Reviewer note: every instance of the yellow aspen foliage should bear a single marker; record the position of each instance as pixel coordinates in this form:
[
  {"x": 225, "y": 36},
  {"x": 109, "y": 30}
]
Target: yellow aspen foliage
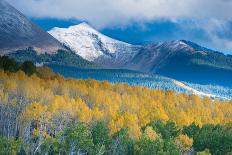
[
  {"x": 57, "y": 101},
  {"x": 97, "y": 114},
  {"x": 134, "y": 131},
  {"x": 131, "y": 122},
  {"x": 116, "y": 124},
  {"x": 35, "y": 132},
  {"x": 84, "y": 113},
  {"x": 34, "y": 111},
  {"x": 46, "y": 73},
  {"x": 10, "y": 85},
  {"x": 184, "y": 143},
  {"x": 3, "y": 96},
  {"x": 21, "y": 75},
  {"x": 58, "y": 104},
  {"x": 151, "y": 134},
  {"x": 206, "y": 152},
  {"x": 143, "y": 114}
]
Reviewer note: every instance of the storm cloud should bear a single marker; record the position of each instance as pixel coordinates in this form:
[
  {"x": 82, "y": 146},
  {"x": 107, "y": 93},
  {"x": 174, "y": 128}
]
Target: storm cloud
[
  {"x": 212, "y": 16},
  {"x": 102, "y": 13}
]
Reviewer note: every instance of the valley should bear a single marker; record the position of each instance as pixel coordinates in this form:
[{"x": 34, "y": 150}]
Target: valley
[{"x": 154, "y": 81}]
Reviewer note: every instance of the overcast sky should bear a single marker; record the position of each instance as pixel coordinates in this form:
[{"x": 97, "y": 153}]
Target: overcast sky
[{"x": 212, "y": 16}]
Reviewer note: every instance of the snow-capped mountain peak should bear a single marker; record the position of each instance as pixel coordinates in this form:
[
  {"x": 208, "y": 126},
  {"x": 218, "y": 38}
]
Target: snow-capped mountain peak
[
  {"x": 89, "y": 29},
  {"x": 85, "y": 25},
  {"x": 93, "y": 45}
]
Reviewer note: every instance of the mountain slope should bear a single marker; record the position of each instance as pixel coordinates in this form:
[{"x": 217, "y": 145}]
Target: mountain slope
[
  {"x": 185, "y": 62},
  {"x": 198, "y": 68},
  {"x": 150, "y": 80},
  {"x": 94, "y": 46},
  {"x": 17, "y": 32},
  {"x": 61, "y": 57},
  {"x": 180, "y": 59},
  {"x": 153, "y": 56}
]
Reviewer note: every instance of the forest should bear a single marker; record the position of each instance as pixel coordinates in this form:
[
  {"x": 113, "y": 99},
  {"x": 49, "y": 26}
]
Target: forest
[
  {"x": 135, "y": 78},
  {"x": 42, "y": 112}
]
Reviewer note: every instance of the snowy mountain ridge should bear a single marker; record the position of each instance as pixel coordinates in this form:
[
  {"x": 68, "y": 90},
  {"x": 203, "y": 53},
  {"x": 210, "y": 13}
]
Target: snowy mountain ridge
[
  {"x": 94, "y": 46},
  {"x": 101, "y": 49}
]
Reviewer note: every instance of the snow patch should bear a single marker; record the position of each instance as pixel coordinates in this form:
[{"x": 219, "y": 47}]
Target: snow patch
[{"x": 196, "y": 92}]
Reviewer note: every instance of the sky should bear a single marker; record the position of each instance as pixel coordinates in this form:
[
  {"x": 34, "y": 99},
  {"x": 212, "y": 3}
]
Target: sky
[{"x": 206, "y": 22}]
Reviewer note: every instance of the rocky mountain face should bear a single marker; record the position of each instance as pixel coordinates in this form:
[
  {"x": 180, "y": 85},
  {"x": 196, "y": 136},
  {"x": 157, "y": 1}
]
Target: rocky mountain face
[
  {"x": 152, "y": 57},
  {"x": 17, "y": 33}
]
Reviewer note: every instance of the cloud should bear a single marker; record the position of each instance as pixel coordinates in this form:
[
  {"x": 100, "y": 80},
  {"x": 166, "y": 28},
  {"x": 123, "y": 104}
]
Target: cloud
[
  {"x": 217, "y": 33},
  {"x": 211, "y": 17},
  {"x": 102, "y": 13},
  {"x": 212, "y": 33}
]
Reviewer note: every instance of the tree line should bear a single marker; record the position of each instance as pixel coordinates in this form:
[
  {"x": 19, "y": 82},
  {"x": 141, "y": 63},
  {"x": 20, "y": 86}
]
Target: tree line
[
  {"x": 158, "y": 137},
  {"x": 10, "y": 65}
]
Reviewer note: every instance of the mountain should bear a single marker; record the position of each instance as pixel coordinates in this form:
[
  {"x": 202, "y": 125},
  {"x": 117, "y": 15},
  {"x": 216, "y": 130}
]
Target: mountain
[
  {"x": 185, "y": 61},
  {"x": 152, "y": 57},
  {"x": 23, "y": 40},
  {"x": 179, "y": 59},
  {"x": 17, "y": 33},
  {"x": 94, "y": 46}
]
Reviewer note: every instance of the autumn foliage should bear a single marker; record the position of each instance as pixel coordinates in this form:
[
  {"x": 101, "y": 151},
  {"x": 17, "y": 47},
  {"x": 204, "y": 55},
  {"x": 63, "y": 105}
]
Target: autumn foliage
[
  {"x": 119, "y": 105},
  {"x": 43, "y": 106}
]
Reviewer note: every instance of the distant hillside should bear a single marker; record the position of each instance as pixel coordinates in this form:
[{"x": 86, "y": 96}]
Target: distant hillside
[
  {"x": 204, "y": 68},
  {"x": 62, "y": 57},
  {"x": 17, "y": 32},
  {"x": 148, "y": 80}
]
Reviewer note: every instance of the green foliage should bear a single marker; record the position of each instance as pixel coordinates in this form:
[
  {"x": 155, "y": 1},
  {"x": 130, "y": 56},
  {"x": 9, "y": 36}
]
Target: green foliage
[
  {"x": 8, "y": 64},
  {"x": 79, "y": 138},
  {"x": 146, "y": 146},
  {"x": 75, "y": 139},
  {"x": 167, "y": 130},
  {"x": 28, "y": 67},
  {"x": 216, "y": 138},
  {"x": 191, "y": 130},
  {"x": 206, "y": 152},
  {"x": 170, "y": 147},
  {"x": 62, "y": 57},
  {"x": 9, "y": 145},
  {"x": 122, "y": 143},
  {"x": 215, "y": 59},
  {"x": 101, "y": 139}
]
